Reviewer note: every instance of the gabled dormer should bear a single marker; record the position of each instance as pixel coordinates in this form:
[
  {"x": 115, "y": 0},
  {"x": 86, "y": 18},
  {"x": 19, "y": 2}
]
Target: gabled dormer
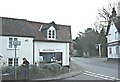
[{"x": 51, "y": 33}]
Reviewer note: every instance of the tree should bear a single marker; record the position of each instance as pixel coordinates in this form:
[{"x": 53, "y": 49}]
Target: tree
[
  {"x": 85, "y": 42},
  {"x": 104, "y": 16}
]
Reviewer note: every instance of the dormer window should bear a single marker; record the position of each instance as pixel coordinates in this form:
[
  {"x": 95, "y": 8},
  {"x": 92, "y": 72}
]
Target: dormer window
[{"x": 51, "y": 33}]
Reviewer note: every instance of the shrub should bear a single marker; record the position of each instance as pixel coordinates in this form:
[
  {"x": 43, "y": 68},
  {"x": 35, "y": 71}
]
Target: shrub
[
  {"x": 8, "y": 69},
  {"x": 35, "y": 72}
]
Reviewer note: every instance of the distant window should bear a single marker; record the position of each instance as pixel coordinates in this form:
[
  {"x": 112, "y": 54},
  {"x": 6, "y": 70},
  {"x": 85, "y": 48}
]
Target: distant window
[
  {"x": 110, "y": 50},
  {"x": 11, "y": 42},
  {"x": 16, "y": 62},
  {"x": 49, "y": 34},
  {"x": 117, "y": 50},
  {"x": 10, "y": 61},
  {"x": 116, "y": 35},
  {"x": 52, "y": 33},
  {"x": 109, "y": 37}
]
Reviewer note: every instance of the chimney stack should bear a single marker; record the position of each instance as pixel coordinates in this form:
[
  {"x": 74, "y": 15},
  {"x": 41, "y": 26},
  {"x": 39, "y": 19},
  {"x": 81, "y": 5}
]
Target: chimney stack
[
  {"x": 113, "y": 12},
  {"x": 118, "y": 9}
]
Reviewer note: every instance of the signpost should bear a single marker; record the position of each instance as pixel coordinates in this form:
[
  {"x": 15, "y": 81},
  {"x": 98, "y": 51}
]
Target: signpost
[{"x": 16, "y": 43}]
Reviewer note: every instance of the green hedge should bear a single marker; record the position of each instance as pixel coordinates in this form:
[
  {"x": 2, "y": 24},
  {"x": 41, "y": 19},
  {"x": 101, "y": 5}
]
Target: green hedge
[{"x": 35, "y": 72}]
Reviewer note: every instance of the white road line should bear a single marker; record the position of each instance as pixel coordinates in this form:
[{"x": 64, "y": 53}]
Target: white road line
[{"x": 100, "y": 76}]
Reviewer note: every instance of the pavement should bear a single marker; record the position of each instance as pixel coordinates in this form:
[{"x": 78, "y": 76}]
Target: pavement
[{"x": 74, "y": 71}]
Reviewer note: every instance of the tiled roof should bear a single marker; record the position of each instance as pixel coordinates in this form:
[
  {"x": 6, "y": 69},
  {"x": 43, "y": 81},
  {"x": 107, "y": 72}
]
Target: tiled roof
[
  {"x": 15, "y": 27},
  {"x": 63, "y": 31},
  {"x": 21, "y": 27}
]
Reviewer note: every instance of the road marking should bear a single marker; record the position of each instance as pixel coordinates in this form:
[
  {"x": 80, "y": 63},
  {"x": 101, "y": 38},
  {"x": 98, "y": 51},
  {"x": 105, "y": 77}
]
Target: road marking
[{"x": 100, "y": 76}]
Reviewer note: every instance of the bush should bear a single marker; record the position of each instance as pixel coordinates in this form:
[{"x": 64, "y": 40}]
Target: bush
[
  {"x": 35, "y": 72},
  {"x": 8, "y": 69}
]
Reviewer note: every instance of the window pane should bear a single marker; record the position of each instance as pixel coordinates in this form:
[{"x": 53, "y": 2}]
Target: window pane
[
  {"x": 110, "y": 50},
  {"x": 117, "y": 50},
  {"x": 10, "y": 61},
  {"x": 16, "y": 62},
  {"x": 53, "y": 34},
  {"x": 49, "y": 32},
  {"x": 49, "y": 36},
  {"x": 10, "y": 42}
]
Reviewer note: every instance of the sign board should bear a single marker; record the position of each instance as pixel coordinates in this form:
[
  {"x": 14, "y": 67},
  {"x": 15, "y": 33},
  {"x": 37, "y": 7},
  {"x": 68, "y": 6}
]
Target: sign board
[
  {"x": 16, "y": 43},
  {"x": 51, "y": 50}
]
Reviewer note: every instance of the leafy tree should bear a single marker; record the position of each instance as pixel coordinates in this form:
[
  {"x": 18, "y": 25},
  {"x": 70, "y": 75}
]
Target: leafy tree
[{"x": 86, "y": 41}]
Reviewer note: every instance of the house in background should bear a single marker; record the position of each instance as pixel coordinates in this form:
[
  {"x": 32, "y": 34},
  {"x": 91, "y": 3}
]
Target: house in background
[
  {"x": 113, "y": 36},
  {"x": 40, "y": 42},
  {"x": 15, "y": 29}
]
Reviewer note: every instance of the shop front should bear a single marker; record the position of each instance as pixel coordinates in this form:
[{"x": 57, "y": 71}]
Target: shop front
[{"x": 50, "y": 55}]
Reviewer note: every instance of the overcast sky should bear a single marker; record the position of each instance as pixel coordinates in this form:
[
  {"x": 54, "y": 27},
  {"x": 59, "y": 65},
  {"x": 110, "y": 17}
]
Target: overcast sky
[{"x": 80, "y": 14}]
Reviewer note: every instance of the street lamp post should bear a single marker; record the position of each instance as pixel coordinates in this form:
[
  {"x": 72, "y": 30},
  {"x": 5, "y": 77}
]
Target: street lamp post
[{"x": 16, "y": 43}]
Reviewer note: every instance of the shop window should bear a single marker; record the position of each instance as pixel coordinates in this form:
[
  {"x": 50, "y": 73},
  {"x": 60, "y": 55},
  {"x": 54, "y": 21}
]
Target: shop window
[{"x": 51, "y": 57}]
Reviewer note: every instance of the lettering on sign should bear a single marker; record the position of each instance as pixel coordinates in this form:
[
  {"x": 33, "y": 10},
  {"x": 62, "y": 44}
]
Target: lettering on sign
[{"x": 48, "y": 50}]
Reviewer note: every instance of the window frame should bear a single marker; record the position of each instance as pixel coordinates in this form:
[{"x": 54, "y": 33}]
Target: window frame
[
  {"x": 12, "y": 62},
  {"x": 51, "y": 33},
  {"x": 110, "y": 50},
  {"x": 109, "y": 36},
  {"x": 116, "y": 35},
  {"x": 117, "y": 50}
]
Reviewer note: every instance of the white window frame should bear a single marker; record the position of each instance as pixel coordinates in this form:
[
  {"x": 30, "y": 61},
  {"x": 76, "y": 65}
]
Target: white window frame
[
  {"x": 13, "y": 62},
  {"x": 10, "y": 64},
  {"x": 51, "y": 36},
  {"x": 110, "y": 50},
  {"x": 117, "y": 50},
  {"x": 109, "y": 36},
  {"x": 116, "y": 35}
]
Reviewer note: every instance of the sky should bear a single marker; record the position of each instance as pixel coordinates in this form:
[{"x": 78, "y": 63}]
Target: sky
[{"x": 80, "y": 14}]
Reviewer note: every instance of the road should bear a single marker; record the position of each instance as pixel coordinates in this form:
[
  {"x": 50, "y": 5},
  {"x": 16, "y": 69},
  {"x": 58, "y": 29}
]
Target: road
[{"x": 96, "y": 69}]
